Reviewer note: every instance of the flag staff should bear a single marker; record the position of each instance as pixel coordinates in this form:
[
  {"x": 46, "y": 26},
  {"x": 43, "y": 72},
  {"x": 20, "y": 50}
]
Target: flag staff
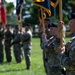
[
  {"x": 61, "y": 18},
  {"x": 42, "y": 22},
  {"x": 60, "y": 10},
  {"x": 54, "y": 14}
]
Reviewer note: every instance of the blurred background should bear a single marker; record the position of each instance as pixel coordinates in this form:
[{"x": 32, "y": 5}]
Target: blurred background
[{"x": 30, "y": 14}]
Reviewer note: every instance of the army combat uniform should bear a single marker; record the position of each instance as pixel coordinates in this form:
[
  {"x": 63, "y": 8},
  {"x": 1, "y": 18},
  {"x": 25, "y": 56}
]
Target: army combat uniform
[
  {"x": 17, "y": 47},
  {"x": 1, "y": 45},
  {"x": 8, "y": 39},
  {"x": 53, "y": 57},
  {"x": 27, "y": 45},
  {"x": 47, "y": 30},
  {"x": 68, "y": 58}
]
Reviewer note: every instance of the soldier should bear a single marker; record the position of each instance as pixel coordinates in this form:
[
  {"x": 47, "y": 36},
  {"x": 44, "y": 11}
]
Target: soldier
[
  {"x": 27, "y": 44},
  {"x": 17, "y": 45},
  {"x": 8, "y": 40},
  {"x": 68, "y": 57},
  {"x": 1, "y": 43},
  {"x": 51, "y": 46},
  {"x": 46, "y": 24}
]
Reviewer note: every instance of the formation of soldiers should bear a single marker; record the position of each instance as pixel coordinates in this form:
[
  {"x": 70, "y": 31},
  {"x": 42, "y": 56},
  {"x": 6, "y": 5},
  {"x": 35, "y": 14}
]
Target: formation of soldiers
[
  {"x": 58, "y": 60},
  {"x": 20, "y": 40}
]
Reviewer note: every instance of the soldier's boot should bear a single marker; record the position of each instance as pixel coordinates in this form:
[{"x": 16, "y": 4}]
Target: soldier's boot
[{"x": 28, "y": 66}]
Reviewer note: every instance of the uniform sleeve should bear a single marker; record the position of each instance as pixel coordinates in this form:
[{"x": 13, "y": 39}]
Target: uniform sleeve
[
  {"x": 65, "y": 60},
  {"x": 72, "y": 55},
  {"x": 68, "y": 58},
  {"x": 26, "y": 36}
]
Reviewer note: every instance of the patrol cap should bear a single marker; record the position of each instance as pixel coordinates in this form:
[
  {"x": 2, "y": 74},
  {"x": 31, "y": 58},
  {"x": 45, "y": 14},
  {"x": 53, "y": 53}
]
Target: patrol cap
[
  {"x": 47, "y": 19},
  {"x": 8, "y": 24},
  {"x": 28, "y": 24},
  {"x": 16, "y": 27},
  {"x": 71, "y": 16},
  {"x": 53, "y": 25}
]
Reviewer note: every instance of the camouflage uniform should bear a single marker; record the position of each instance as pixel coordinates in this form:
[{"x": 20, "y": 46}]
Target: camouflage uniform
[
  {"x": 8, "y": 39},
  {"x": 27, "y": 45},
  {"x": 44, "y": 52},
  {"x": 68, "y": 58},
  {"x": 17, "y": 47},
  {"x": 53, "y": 57},
  {"x": 1, "y": 45}
]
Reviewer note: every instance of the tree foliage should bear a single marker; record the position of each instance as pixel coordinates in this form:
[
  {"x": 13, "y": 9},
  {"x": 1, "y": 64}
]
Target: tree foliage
[
  {"x": 9, "y": 7},
  {"x": 30, "y": 11}
]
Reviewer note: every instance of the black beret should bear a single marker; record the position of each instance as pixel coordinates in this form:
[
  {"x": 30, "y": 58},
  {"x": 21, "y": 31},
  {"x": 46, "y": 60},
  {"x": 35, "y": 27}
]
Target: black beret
[
  {"x": 8, "y": 24},
  {"x": 16, "y": 27},
  {"x": 1, "y": 23},
  {"x": 28, "y": 24},
  {"x": 53, "y": 25},
  {"x": 47, "y": 19},
  {"x": 71, "y": 16}
]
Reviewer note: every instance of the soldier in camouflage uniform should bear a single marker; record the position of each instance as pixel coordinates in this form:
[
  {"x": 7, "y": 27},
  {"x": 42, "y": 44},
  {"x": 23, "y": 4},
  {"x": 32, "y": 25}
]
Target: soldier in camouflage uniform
[
  {"x": 47, "y": 30},
  {"x": 8, "y": 39},
  {"x": 1, "y": 43},
  {"x": 17, "y": 45},
  {"x": 68, "y": 57},
  {"x": 51, "y": 46},
  {"x": 27, "y": 45}
]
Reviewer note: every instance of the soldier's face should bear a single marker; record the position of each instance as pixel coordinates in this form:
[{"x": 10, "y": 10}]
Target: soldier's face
[
  {"x": 53, "y": 31},
  {"x": 72, "y": 25},
  {"x": 46, "y": 23},
  {"x": 16, "y": 30},
  {"x": 8, "y": 27},
  {"x": 26, "y": 28}
]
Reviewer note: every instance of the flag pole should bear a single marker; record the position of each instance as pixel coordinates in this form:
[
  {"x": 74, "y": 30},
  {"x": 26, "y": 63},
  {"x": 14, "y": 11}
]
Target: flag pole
[
  {"x": 61, "y": 18},
  {"x": 42, "y": 21},
  {"x": 60, "y": 10}
]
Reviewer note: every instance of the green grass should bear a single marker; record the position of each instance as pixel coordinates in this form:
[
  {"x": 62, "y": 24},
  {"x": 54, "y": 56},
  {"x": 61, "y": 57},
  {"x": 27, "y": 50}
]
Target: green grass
[{"x": 19, "y": 69}]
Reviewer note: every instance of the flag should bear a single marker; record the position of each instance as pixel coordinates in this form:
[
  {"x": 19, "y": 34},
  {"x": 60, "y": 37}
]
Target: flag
[
  {"x": 3, "y": 17},
  {"x": 19, "y": 4},
  {"x": 54, "y": 3},
  {"x": 40, "y": 15},
  {"x": 44, "y": 5}
]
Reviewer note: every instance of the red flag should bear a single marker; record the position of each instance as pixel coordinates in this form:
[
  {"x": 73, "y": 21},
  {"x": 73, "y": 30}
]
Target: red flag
[{"x": 3, "y": 17}]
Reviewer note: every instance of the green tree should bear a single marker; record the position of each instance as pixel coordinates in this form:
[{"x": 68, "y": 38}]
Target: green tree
[
  {"x": 30, "y": 13},
  {"x": 11, "y": 18},
  {"x": 9, "y": 7},
  {"x": 33, "y": 11}
]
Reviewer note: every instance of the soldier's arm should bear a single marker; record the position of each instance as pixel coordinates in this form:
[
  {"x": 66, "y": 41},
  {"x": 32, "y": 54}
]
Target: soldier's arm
[
  {"x": 44, "y": 41},
  {"x": 26, "y": 36},
  {"x": 68, "y": 58}
]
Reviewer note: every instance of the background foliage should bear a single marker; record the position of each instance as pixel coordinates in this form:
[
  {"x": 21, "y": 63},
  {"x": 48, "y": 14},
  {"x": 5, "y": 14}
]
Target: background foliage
[{"x": 30, "y": 11}]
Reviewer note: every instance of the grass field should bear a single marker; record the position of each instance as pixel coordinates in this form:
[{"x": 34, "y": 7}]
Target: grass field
[{"x": 19, "y": 69}]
